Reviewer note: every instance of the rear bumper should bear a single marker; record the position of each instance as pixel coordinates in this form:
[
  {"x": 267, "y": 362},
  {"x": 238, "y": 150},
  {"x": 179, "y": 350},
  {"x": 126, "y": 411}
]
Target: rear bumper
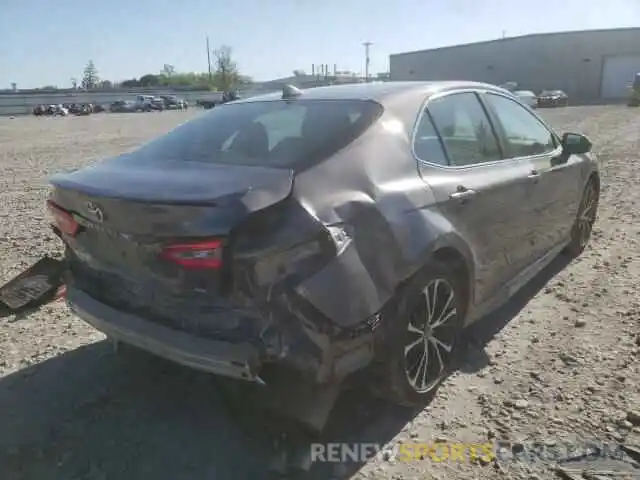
[{"x": 241, "y": 361}]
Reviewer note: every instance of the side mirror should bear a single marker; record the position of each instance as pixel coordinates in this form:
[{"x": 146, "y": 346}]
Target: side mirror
[{"x": 575, "y": 144}]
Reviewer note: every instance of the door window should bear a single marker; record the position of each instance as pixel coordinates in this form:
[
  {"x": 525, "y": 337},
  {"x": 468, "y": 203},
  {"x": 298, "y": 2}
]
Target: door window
[
  {"x": 426, "y": 143},
  {"x": 465, "y": 129},
  {"x": 524, "y": 135}
]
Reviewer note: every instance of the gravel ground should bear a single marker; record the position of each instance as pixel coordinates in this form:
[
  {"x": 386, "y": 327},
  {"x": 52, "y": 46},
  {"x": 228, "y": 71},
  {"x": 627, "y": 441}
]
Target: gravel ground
[{"x": 558, "y": 364}]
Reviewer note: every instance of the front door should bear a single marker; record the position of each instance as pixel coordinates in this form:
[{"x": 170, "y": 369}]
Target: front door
[
  {"x": 480, "y": 193},
  {"x": 554, "y": 192}
]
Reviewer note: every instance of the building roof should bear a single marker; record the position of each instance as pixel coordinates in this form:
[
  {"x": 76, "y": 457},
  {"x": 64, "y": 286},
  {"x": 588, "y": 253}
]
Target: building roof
[{"x": 601, "y": 31}]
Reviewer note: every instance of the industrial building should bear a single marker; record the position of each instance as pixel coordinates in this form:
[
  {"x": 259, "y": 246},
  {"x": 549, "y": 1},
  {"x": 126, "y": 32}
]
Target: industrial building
[{"x": 588, "y": 65}]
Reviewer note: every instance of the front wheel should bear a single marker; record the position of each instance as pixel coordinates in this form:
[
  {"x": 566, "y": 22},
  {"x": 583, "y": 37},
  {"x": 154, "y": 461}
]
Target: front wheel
[
  {"x": 585, "y": 219},
  {"x": 421, "y": 330}
]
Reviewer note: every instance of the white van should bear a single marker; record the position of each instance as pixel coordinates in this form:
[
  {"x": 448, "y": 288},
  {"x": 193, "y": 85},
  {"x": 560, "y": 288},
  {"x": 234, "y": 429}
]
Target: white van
[{"x": 527, "y": 97}]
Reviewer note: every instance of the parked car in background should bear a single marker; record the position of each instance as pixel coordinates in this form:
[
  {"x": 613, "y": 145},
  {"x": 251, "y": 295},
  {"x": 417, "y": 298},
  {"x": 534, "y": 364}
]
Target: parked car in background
[
  {"x": 50, "y": 110},
  {"x": 511, "y": 86},
  {"x": 57, "y": 110},
  {"x": 230, "y": 96},
  {"x": 122, "y": 106},
  {"x": 39, "y": 110},
  {"x": 553, "y": 98},
  {"x": 198, "y": 248},
  {"x": 81, "y": 108},
  {"x": 147, "y": 103},
  {"x": 210, "y": 101},
  {"x": 171, "y": 102},
  {"x": 527, "y": 97}
]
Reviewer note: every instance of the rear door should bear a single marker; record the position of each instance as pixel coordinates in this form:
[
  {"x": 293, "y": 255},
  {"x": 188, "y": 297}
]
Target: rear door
[
  {"x": 480, "y": 193},
  {"x": 558, "y": 184}
]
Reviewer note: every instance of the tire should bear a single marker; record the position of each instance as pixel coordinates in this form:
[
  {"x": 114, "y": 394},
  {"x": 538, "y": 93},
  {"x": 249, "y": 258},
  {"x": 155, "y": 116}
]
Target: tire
[
  {"x": 397, "y": 375},
  {"x": 585, "y": 219}
]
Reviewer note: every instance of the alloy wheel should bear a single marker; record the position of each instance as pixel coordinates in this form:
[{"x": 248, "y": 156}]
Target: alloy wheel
[
  {"x": 587, "y": 215},
  {"x": 431, "y": 331}
]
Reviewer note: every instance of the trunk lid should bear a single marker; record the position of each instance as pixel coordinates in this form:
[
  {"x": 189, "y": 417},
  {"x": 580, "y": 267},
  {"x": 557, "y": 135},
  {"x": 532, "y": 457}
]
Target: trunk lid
[
  {"x": 129, "y": 212},
  {"x": 171, "y": 198}
]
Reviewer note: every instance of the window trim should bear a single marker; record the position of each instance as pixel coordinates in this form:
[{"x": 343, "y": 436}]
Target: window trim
[
  {"x": 479, "y": 93},
  {"x": 425, "y": 105},
  {"x": 496, "y": 118}
]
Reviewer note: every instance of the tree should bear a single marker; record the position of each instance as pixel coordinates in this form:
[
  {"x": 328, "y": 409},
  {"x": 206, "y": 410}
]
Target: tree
[
  {"x": 226, "y": 73},
  {"x": 149, "y": 80},
  {"x": 132, "y": 82},
  {"x": 106, "y": 84},
  {"x": 74, "y": 83},
  {"x": 90, "y": 77}
]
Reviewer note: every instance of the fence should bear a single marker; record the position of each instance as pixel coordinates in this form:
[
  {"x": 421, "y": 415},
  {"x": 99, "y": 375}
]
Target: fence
[{"x": 22, "y": 103}]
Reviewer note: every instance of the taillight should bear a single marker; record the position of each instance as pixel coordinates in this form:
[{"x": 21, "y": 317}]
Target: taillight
[
  {"x": 63, "y": 219},
  {"x": 195, "y": 256}
]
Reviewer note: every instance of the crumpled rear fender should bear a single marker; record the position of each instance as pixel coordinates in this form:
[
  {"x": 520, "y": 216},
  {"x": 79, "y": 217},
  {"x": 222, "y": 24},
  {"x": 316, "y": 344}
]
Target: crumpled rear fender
[
  {"x": 380, "y": 256},
  {"x": 374, "y": 194}
]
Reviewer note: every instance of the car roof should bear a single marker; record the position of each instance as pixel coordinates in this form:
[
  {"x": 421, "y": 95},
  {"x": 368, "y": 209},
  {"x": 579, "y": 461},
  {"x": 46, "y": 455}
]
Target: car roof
[{"x": 376, "y": 91}]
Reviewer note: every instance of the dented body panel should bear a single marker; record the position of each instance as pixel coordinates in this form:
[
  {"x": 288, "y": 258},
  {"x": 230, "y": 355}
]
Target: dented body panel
[{"x": 311, "y": 252}]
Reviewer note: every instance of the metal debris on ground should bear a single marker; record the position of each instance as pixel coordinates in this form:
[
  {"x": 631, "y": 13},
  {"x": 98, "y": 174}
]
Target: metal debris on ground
[{"x": 39, "y": 284}]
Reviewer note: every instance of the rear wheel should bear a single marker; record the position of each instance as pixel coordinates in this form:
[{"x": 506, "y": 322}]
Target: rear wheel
[
  {"x": 585, "y": 219},
  {"x": 421, "y": 331}
]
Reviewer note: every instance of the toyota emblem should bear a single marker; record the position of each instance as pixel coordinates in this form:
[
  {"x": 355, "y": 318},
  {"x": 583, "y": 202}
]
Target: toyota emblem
[{"x": 96, "y": 211}]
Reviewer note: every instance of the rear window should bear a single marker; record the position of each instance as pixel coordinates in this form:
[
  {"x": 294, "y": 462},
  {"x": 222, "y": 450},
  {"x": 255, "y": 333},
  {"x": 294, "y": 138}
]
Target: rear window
[{"x": 293, "y": 134}]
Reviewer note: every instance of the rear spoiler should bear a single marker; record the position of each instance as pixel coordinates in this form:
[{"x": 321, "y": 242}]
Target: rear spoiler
[{"x": 41, "y": 283}]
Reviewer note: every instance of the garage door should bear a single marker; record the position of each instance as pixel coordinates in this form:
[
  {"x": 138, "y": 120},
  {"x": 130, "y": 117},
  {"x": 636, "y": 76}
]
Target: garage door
[{"x": 617, "y": 75}]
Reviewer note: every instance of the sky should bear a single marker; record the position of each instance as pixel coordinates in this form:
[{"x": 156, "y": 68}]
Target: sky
[{"x": 48, "y": 42}]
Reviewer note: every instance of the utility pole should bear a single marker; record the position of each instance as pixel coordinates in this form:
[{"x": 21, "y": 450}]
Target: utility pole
[
  {"x": 366, "y": 46},
  {"x": 209, "y": 58}
]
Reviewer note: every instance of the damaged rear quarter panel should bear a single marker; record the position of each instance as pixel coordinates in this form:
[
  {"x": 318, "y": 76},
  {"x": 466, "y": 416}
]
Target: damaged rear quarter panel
[{"x": 372, "y": 191}]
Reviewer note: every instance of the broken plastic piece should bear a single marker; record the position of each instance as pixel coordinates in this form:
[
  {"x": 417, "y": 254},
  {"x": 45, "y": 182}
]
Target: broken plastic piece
[{"x": 38, "y": 285}]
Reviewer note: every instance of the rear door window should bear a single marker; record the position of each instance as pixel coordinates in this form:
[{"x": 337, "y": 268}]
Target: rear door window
[
  {"x": 465, "y": 129},
  {"x": 282, "y": 134},
  {"x": 426, "y": 142}
]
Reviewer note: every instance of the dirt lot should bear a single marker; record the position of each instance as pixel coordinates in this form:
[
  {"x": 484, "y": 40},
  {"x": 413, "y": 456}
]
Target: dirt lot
[{"x": 559, "y": 363}]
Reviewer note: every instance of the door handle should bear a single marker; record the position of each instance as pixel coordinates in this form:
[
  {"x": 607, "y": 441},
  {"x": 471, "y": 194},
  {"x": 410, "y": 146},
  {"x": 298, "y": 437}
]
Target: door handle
[
  {"x": 534, "y": 175},
  {"x": 463, "y": 194}
]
